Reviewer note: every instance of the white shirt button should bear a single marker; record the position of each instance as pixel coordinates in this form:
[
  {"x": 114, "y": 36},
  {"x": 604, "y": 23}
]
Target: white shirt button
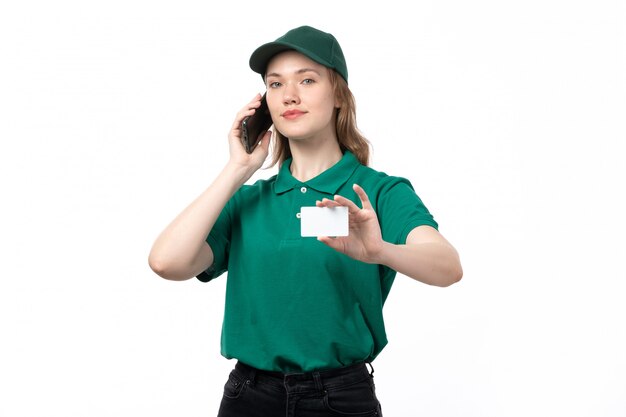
[
  {"x": 298, "y": 215},
  {"x": 303, "y": 189}
]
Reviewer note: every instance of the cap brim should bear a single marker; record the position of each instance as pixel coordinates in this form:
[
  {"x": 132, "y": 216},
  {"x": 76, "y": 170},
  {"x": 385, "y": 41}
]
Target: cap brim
[
  {"x": 261, "y": 56},
  {"x": 264, "y": 53}
]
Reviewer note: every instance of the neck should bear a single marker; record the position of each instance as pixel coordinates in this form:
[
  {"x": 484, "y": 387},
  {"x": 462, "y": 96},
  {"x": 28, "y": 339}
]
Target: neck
[{"x": 310, "y": 161}]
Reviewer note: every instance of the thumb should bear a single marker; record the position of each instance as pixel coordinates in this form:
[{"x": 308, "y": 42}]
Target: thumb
[
  {"x": 263, "y": 144},
  {"x": 335, "y": 244},
  {"x": 265, "y": 140}
]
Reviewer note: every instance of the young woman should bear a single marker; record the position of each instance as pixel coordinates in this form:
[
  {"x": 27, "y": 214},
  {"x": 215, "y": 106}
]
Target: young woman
[{"x": 303, "y": 315}]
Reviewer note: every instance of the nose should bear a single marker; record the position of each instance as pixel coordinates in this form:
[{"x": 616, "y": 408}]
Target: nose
[{"x": 290, "y": 94}]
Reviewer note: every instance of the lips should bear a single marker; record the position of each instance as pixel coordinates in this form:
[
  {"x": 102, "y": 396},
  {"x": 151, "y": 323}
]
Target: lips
[{"x": 292, "y": 114}]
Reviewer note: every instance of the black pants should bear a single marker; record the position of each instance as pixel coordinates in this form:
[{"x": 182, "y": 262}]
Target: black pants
[{"x": 348, "y": 391}]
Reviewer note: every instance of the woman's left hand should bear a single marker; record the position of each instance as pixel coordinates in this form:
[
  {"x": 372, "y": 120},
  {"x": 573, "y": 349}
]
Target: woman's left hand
[{"x": 364, "y": 241}]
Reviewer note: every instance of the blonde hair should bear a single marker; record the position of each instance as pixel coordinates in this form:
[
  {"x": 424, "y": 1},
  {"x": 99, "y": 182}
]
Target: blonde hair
[{"x": 348, "y": 135}]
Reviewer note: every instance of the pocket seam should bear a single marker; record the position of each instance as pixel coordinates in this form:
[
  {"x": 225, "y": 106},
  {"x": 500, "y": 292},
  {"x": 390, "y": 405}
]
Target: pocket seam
[
  {"x": 235, "y": 379},
  {"x": 373, "y": 412}
]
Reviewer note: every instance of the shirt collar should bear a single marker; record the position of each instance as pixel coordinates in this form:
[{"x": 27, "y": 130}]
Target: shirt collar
[{"x": 327, "y": 182}]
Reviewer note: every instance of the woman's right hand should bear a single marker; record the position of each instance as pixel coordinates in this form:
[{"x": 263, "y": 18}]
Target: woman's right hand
[
  {"x": 238, "y": 155},
  {"x": 181, "y": 251}
]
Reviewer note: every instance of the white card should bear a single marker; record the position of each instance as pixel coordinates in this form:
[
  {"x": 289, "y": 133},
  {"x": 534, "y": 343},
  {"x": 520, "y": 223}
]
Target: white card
[{"x": 323, "y": 221}]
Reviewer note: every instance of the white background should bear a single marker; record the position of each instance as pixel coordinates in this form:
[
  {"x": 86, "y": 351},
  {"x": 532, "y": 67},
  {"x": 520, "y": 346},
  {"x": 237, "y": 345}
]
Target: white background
[{"x": 508, "y": 117}]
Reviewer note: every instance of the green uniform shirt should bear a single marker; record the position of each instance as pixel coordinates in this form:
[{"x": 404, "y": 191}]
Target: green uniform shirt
[{"x": 292, "y": 303}]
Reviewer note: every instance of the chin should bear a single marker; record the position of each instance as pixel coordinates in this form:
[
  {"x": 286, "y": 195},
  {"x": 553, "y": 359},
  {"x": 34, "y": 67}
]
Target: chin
[{"x": 294, "y": 134}]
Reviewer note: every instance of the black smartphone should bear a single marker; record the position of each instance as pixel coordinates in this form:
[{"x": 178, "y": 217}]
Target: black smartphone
[{"x": 253, "y": 126}]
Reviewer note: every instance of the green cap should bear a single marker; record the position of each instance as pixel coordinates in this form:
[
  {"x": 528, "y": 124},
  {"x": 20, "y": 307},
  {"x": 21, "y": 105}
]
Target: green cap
[{"x": 319, "y": 46}]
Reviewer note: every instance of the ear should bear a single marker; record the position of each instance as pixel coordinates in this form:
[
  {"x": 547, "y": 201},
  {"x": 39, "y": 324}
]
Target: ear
[{"x": 338, "y": 102}]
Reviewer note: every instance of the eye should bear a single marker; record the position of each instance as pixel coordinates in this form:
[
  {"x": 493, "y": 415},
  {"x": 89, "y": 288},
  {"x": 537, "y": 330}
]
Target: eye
[
  {"x": 274, "y": 84},
  {"x": 308, "y": 81}
]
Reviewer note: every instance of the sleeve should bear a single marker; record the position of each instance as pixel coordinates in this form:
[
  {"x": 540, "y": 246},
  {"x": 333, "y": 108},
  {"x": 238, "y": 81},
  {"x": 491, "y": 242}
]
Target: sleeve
[
  {"x": 219, "y": 241},
  {"x": 400, "y": 210}
]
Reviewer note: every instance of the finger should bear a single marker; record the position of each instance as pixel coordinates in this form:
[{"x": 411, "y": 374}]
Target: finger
[
  {"x": 248, "y": 110},
  {"x": 256, "y": 99},
  {"x": 327, "y": 203},
  {"x": 363, "y": 196},
  {"x": 242, "y": 114},
  {"x": 352, "y": 208},
  {"x": 262, "y": 135},
  {"x": 264, "y": 142},
  {"x": 335, "y": 244},
  {"x": 255, "y": 103}
]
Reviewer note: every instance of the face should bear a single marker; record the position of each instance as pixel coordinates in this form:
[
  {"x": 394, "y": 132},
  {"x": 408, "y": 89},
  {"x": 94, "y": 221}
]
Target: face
[{"x": 300, "y": 97}]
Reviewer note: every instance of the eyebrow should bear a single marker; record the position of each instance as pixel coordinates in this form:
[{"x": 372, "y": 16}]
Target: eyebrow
[{"x": 300, "y": 71}]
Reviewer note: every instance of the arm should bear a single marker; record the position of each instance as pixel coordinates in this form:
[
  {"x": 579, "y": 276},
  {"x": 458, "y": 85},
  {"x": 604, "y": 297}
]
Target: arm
[
  {"x": 180, "y": 252},
  {"x": 427, "y": 256}
]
